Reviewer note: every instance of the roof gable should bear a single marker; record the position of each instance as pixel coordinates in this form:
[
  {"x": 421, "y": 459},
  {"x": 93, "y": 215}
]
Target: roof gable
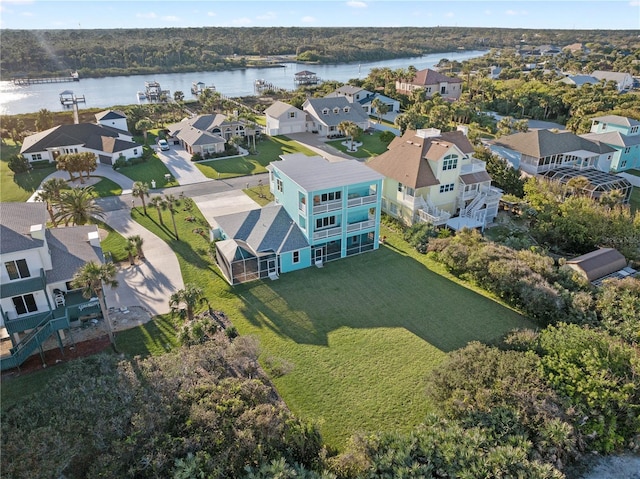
[
  {"x": 431, "y": 77},
  {"x": 16, "y": 220}
]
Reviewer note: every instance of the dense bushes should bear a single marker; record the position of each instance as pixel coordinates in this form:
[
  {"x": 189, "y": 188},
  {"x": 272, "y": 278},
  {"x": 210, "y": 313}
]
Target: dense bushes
[
  {"x": 19, "y": 164},
  {"x": 206, "y": 409}
]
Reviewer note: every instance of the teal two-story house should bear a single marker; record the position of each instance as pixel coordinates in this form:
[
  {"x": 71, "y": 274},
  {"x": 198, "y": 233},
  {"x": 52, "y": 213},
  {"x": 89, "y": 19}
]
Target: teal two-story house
[
  {"x": 322, "y": 211},
  {"x": 623, "y": 135}
]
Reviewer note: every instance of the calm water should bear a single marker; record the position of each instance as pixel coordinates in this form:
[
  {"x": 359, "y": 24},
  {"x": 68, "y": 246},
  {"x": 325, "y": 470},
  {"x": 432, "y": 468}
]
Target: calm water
[{"x": 121, "y": 90}]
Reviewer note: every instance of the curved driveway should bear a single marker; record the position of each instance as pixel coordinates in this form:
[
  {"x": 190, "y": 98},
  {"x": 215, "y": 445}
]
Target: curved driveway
[{"x": 148, "y": 284}]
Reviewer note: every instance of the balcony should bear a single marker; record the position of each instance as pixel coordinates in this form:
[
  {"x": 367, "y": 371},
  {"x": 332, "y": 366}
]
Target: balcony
[
  {"x": 362, "y": 200},
  {"x": 328, "y": 233},
  {"x": 361, "y": 225},
  {"x": 327, "y": 206},
  {"x": 475, "y": 166},
  {"x": 433, "y": 215}
]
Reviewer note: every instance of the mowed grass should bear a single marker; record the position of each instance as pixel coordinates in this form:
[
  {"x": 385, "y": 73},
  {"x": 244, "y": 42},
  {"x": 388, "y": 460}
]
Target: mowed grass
[
  {"x": 106, "y": 187},
  {"x": 634, "y": 201},
  {"x": 268, "y": 149},
  {"x": 359, "y": 335},
  {"x": 371, "y": 145},
  {"x": 20, "y": 187}
]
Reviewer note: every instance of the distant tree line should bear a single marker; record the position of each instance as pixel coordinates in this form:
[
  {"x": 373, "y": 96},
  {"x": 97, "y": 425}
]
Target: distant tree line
[{"x": 109, "y": 52}]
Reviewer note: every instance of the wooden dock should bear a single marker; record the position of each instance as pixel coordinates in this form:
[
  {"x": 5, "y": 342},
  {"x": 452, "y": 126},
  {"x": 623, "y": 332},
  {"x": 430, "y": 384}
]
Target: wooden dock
[{"x": 35, "y": 81}]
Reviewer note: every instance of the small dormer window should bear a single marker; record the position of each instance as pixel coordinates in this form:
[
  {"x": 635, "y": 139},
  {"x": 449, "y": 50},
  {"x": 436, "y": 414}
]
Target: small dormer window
[
  {"x": 325, "y": 111},
  {"x": 336, "y": 110},
  {"x": 346, "y": 109}
]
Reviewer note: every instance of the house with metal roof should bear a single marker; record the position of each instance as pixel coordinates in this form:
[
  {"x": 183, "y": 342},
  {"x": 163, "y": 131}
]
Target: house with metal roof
[
  {"x": 623, "y": 135},
  {"x": 623, "y": 80},
  {"x": 323, "y": 211},
  {"x": 600, "y": 265},
  {"x": 325, "y": 114},
  {"x": 38, "y": 264},
  {"x": 431, "y": 82},
  {"x": 432, "y": 177},
  {"x": 108, "y": 140}
]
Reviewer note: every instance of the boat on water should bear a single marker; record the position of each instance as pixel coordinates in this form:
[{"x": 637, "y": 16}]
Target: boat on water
[
  {"x": 141, "y": 95},
  {"x": 199, "y": 87}
]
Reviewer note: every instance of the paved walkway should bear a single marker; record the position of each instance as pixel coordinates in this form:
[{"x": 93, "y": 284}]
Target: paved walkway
[
  {"x": 148, "y": 284},
  {"x": 318, "y": 144},
  {"x": 105, "y": 171},
  {"x": 179, "y": 163}
]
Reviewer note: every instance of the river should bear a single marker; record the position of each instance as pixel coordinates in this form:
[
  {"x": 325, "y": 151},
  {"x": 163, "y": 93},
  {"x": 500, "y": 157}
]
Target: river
[{"x": 122, "y": 90}]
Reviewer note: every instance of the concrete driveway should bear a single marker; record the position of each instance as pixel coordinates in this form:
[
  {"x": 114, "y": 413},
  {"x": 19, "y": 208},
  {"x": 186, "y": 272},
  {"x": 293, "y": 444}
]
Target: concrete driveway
[
  {"x": 148, "y": 284},
  {"x": 225, "y": 203},
  {"x": 318, "y": 144},
  {"x": 179, "y": 163}
]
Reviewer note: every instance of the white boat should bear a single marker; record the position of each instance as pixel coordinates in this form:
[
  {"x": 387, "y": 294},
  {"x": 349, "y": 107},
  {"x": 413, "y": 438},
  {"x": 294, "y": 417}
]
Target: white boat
[{"x": 142, "y": 95}]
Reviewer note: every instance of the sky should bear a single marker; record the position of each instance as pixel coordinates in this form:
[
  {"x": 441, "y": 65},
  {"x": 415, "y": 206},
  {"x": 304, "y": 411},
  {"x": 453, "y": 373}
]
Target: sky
[{"x": 536, "y": 14}]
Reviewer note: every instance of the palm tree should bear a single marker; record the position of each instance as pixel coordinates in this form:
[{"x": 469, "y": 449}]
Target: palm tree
[
  {"x": 190, "y": 297},
  {"x": 137, "y": 242},
  {"x": 130, "y": 248},
  {"x": 144, "y": 125},
  {"x": 78, "y": 206},
  {"x": 159, "y": 204},
  {"x": 350, "y": 129},
  {"x": 141, "y": 190},
  {"x": 380, "y": 107},
  {"x": 92, "y": 277},
  {"x": 172, "y": 204},
  {"x": 50, "y": 195}
]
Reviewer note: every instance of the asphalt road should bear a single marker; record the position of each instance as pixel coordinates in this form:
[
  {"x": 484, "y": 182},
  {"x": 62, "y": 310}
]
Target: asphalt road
[{"x": 115, "y": 203}]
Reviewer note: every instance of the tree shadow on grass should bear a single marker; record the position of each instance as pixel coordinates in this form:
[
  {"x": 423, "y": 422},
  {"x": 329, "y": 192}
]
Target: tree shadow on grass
[
  {"x": 30, "y": 181},
  {"x": 382, "y": 289},
  {"x": 154, "y": 337}
]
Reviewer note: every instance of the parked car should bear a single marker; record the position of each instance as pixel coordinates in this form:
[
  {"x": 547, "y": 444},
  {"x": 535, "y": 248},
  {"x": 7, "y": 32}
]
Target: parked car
[{"x": 164, "y": 146}]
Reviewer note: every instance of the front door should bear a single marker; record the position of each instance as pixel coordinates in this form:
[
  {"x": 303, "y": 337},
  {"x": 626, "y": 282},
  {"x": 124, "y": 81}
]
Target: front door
[
  {"x": 318, "y": 254},
  {"x": 272, "y": 265}
]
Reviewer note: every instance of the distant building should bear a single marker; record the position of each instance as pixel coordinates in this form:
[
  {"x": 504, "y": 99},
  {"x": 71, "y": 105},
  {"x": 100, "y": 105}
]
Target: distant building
[
  {"x": 431, "y": 82},
  {"x": 623, "y": 135},
  {"x": 602, "y": 264}
]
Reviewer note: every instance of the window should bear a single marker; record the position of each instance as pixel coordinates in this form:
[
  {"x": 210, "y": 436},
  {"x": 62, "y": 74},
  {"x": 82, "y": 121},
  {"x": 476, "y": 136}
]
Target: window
[
  {"x": 36, "y": 156},
  {"x": 346, "y": 109},
  {"x": 399, "y": 187},
  {"x": 446, "y": 188},
  {"x": 292, "y": 114},
  {"x": 279, "y": 185},
  {"x": 450, "y": 162},
  {"x": 410, "y": 191},
  {"x": 135, "y": 151},
  {"x": 25, "y": 304},
  {"x": 627, "y": 150},
  {"x": 336, "y": 110},
  {"x": 325, "y": 111},
  {"x": 17, "y": 269},
  {"x": 334, "y": 195},
  {"x": 325, "y": 222},
  {"x": 296, "y": 257}
]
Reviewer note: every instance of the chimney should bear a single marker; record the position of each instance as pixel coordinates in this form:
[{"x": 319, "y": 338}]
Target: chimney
[
  {"x": 94, "y": 239},
  {"x": 464, "y": 129},
  {"x": 37, "y": 232}
]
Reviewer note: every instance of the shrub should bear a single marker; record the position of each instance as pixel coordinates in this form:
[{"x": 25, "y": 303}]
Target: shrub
[
  {"x": 120, "y": 163},
  {"x": 196, "y": 157},
  {"x": 387, "y": 136},
  {"x": 40, "y": 165},
  {"x": 19, "y": 164}
]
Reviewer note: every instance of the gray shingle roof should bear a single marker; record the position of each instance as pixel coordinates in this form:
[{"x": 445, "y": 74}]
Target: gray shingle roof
[
  {"x": 542, "y": 143},
  {"x": 268, "y": 229},
  {"x": 70, "y": 249},
  {"x": 110, "y": 115},
  {"x": 69, "y": 135},
  {"x": 279, "y": 108},
  {"x": 354, "y": 113},
  {"x": 617, "y": 120},
  {"x": 613, "y": 138},
  {"x": 314, "y": 173},
  {"x": 16, "y": 220}
]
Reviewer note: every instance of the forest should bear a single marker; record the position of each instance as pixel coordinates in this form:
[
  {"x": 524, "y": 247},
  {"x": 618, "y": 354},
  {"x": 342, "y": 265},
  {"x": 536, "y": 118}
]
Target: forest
[{"x": 109, "y": 52}]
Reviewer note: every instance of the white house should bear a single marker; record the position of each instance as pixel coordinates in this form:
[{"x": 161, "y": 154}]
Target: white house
[
  {"x": 107, "y": 142},
  {"x": 325, "y": 114},
  {"x": 624, "y": 81},
  {"x": 37, "y": 266},
  {"x": 283, "y": 119}
]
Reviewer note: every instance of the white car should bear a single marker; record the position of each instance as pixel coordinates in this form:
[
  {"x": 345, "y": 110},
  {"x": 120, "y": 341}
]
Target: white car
[{"x": 164, "y": 146}]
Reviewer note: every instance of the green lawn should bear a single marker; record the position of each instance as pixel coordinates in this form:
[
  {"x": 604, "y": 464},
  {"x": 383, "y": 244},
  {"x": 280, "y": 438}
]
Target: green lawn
[
  {"x": 633, "y": 172},
  {"x": 358, "y": 336},
  {"x": 269, "y": 149},
  {"x": 114, "y": 243},
  {"x": 153, "y": 169},
  {"x": 18, "y": 187},
  {"x": 106, "y": 187},
  {"x": 371, "y": 146},
  {"x": 260, "y": 194},
  {"x": 360, "y": 333}
]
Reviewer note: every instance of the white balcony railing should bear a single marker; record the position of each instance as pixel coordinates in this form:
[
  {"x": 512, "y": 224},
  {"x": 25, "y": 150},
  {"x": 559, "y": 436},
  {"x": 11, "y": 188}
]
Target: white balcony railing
[
  {"x": 361, "y": 225},
  {"x": 475, "y": 166},
  {"x": 327, "y": 206},
  {"x": 433, "y": 215},
  {"x": 362, "y": 200},
  {"x": 328, "y": 233}
]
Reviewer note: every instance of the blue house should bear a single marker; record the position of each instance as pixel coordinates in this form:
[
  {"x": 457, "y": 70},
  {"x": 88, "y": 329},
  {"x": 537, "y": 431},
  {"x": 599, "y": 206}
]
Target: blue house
[
  {"x": 323, "y": 211},
  {"x": 623, "y": 135}
]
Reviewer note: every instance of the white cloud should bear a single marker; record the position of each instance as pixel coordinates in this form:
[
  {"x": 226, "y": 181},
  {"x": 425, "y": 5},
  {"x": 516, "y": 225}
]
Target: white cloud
[
  {"x": 449, "y": 15},
  {"x": 267, "y": 16},
  {"x": 170, "y": 18},
  {"x": 308, "y": 19},
  {"x": 488, "y": 12},
  {"x": 634, "y": 3},
  {"x": 517, "y": 12},
  {"x": 356, "y": 4},
  {"x": 18, "y": 2},
  {"x": 241, "y": 22},
  {"x": 27, "y": 14},
  {"x": 211, "y": 14},
  {"x": 148, "y": 15}
]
